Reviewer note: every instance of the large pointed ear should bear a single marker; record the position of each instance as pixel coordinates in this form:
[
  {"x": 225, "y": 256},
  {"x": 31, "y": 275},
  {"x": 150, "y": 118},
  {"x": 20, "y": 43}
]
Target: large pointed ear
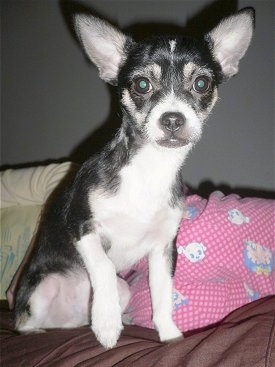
[
  {"x": 230, "y": 40},
  {"x": 103, "y": 43}
]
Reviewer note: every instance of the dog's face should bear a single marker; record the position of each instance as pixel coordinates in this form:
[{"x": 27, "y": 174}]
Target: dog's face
[{"x": 168, "y": 85}]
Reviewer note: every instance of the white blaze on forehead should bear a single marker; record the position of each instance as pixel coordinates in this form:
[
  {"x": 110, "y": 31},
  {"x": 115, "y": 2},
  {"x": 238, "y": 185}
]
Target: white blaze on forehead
[{"x": 172, "y": 44}]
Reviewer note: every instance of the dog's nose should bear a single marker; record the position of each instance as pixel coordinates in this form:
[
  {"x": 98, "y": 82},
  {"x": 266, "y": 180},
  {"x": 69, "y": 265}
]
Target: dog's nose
[{"x": 172, "y": 121}]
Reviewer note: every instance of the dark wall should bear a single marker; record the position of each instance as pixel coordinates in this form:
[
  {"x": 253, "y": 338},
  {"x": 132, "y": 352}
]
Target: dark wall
[{"x": 54, "y": 105}]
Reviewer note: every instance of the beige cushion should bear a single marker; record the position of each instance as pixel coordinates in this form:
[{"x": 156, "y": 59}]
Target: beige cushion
[
  {"x": 31, "y": 186},
  {"x": 17, "y": 227},
  {"x": 23, "y": 194}
]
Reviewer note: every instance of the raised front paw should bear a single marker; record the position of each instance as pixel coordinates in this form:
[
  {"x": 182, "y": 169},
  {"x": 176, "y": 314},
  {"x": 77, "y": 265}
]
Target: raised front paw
[{"x": 107, "y": 326}]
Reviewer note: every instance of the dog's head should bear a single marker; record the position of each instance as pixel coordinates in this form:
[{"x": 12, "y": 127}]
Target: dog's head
[{"x": 168, "y": 85}]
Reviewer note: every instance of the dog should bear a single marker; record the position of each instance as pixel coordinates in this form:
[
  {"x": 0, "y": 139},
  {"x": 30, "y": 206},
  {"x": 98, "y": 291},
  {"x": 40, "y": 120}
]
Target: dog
[{"x": 127, "y": 201}]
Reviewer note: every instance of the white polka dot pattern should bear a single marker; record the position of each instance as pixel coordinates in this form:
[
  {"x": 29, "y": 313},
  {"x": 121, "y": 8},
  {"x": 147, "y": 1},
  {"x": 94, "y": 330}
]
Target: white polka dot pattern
[{"x": 226, "y": 258}]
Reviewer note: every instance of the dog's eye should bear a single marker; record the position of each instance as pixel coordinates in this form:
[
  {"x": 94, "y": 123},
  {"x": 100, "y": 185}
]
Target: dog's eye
[
  {"x": 201, "y": 84},
  {"x": 142, "y": 85}
]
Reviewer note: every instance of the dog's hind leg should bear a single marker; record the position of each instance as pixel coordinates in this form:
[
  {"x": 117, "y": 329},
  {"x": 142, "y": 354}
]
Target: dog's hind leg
[
  {"x": 58, "y": 301},
  {"x": 39, "y": 303}
]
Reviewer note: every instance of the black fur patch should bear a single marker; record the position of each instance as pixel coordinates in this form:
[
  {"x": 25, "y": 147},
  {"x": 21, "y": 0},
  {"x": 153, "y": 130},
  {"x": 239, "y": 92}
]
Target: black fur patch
[
  {"x": 177, "y": 190},
  {"x": 171, "y": 255}
]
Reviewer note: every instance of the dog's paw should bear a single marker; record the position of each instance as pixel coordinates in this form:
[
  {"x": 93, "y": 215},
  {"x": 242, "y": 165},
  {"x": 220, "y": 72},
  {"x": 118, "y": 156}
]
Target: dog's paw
[
  {"x": 169, "y": 333},
  {"x": 107, "y": 327},
  {"x": 107, "y": 333}
]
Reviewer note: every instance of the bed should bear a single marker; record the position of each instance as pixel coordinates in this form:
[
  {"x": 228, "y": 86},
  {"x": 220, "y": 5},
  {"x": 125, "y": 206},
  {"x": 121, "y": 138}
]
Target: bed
[{"x": 241, "y": 331}]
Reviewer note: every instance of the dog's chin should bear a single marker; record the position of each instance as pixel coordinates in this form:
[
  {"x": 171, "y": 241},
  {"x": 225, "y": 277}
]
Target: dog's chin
[{"x": 173, "y": 142}]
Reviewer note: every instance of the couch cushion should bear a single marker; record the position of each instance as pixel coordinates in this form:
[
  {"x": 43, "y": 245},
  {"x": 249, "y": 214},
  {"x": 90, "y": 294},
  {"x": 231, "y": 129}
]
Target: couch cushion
[
  {"x": 246, "y": 338},
  {"x": 23, "y": 193},
  {"x": 18, "y": 224},
  {"x": 31, "y": 186}
]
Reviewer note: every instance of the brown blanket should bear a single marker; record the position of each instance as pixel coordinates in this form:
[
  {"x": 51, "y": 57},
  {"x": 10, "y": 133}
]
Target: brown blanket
[{"x": 246, "y": 338}]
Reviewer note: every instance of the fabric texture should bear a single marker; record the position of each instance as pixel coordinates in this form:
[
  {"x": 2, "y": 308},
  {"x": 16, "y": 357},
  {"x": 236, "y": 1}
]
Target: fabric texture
[
  {"x": 18, "y": 225},
  {"x": 246, "y": 338},
  {"x": 31, "y": 186},
  {"x": 226, "y": 255},
  {"x": 23, "y": 193}
]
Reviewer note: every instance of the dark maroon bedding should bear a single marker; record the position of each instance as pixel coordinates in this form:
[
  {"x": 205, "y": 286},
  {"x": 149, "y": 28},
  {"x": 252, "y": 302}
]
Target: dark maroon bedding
[{"x": 246, "y": 338}]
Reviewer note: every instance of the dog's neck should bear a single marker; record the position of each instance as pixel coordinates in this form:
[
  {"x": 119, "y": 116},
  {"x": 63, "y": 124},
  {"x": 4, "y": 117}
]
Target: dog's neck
[{"x": 147, "y": 166}]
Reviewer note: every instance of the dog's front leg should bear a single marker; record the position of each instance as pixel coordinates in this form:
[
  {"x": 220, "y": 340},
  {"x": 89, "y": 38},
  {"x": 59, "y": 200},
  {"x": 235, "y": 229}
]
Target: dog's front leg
[
  {"x": 106, "y": 312},
  {"x": 161, "y": 286}
]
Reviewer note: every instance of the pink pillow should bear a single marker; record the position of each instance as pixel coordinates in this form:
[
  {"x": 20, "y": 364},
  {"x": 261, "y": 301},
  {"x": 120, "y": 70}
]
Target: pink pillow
[{"x": 226, "y": 255}]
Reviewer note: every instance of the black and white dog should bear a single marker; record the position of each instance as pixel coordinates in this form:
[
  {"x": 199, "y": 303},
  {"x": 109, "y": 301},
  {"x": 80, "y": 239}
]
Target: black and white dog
[{"x": 127, "y": 202}]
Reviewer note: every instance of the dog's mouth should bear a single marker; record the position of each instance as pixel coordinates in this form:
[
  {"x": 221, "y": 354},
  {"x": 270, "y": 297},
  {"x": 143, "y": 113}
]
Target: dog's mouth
[{"x": 173, "y": 142}]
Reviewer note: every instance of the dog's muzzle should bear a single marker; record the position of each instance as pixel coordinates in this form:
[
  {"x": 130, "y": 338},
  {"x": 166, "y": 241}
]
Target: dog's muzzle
[{"x": 172, "y": 124}]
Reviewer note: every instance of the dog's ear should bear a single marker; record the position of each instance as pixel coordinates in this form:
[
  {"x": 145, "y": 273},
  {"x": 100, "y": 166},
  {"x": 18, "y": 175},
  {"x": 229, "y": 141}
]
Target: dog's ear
[
  {"x": 103, "y": 43},
  {"x": 230, "y": 39}
]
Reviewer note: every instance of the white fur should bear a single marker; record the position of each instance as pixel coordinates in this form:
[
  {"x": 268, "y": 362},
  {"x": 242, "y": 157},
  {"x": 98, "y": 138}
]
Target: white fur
[
  {"x": 173, "y": 44},
  {"x": 59, "y": 301},
  {"x": 139, "y": 221},
  {"x": 138, "y": 216},
  {"x": 106, "y": 310},
  {"x": 189, "y": 70},
  {"x": 161, "y": 286},
  {"x": 156, "y": 71},
  {"x": 170, "y": 103}
]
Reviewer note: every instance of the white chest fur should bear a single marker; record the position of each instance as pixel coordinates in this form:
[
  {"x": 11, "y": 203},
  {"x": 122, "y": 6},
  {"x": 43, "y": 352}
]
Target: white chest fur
[{"x": 138, "y": 216}]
